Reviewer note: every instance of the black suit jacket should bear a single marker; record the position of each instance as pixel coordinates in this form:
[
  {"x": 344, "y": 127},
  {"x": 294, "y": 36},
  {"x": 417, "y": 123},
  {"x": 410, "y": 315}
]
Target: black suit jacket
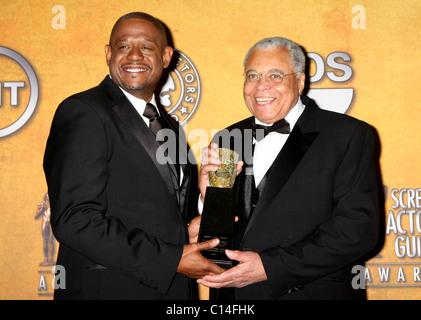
[
  {"x": 318, "y": 212},
  {"x": 114, "y": 208}
]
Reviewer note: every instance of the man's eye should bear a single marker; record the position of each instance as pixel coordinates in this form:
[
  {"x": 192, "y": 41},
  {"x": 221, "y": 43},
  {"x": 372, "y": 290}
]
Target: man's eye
[
  {"x": 252, "y": 76},
  {"x": 275, "y": 76}
]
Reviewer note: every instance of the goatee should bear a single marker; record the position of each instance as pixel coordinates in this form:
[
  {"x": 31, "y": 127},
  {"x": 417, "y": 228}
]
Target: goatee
[{"x": 134, "y": 88}]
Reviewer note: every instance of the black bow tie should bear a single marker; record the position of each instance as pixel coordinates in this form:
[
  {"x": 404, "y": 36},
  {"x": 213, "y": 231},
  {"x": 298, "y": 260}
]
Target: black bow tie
[{"x": 281, "y": 126}]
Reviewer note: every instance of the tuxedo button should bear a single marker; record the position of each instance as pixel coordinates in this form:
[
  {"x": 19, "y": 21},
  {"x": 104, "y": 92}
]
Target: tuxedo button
[{"x": 295, "y": 289}]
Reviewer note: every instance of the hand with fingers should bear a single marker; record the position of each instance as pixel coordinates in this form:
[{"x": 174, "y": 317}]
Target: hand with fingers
[
  {"x": 194, "y": 265},
  {"x": 249, "y": 270},
  {"x": 194, "y": 228},
  {"x": 210, "y": 162}
]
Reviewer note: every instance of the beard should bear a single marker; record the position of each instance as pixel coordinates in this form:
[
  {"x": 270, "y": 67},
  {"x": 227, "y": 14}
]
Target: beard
[{"x": 133, "y": 88}]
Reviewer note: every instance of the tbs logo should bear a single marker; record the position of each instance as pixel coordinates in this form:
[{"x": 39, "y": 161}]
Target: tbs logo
[
  {"x": 333, "y": 99},
  {"x": 18, "y": 91}
]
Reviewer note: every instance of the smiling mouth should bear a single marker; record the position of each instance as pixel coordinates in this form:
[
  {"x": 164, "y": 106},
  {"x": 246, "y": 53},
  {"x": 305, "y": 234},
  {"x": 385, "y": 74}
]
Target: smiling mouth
[
  {"x": 136, "y": 69},
  {"x": 263, "y": 101}
]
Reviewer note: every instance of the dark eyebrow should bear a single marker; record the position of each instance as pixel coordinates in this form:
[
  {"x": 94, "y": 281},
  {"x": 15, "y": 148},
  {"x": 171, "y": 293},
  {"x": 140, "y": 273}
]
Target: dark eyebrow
[{"x": 143, "y": 39}]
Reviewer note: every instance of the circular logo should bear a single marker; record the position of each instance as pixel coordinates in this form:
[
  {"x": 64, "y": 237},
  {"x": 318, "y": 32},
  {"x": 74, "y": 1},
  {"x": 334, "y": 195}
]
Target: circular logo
[
  {"x": 14, "y": 87},
  {"x": 181, "y": 92}
]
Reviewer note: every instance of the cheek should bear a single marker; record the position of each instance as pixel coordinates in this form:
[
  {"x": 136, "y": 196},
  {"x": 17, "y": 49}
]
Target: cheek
[
  {"x": 114, "y": 64},
  {"x": 248, "y": 94},
  {"x": 249, "y": 101},
  {"x": 285, "y": 96},
  {"x": 155, "y": 60}
]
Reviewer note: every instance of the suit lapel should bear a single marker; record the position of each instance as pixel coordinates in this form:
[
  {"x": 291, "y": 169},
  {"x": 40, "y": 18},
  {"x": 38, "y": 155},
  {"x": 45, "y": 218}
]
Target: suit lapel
[
  {"x": 181, "y": 143},
  {"x": 133, "y": 121},
  {"x": 300, "y": 139},
  {"x": 181, "y": 157}
]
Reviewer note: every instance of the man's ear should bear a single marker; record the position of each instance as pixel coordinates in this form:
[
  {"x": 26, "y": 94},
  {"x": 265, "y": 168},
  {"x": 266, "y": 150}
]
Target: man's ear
[
  {"x": 108, "y": 54},
  {"x": 301, "y": 82},
  {"x": 167, "y": 55}
]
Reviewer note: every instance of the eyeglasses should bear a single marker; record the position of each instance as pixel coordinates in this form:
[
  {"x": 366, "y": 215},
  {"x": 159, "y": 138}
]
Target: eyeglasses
[{"x": 273, "y": 77}]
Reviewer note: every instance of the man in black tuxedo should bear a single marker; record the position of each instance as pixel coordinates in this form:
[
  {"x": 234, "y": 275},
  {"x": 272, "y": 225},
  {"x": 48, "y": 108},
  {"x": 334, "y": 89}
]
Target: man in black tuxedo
[
  {"x": 307, "y": 199},
  {"x": 119, "y": 212}
]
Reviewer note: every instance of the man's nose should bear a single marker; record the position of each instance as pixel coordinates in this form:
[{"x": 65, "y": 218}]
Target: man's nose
[
  {"x": 264, "y": 82},
  {"x": 135, "y": 54}
]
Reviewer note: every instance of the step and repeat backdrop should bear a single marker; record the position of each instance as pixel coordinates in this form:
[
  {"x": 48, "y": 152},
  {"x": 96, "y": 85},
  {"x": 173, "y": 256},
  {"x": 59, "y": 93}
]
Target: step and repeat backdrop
[{"x": 364, "y": 60}]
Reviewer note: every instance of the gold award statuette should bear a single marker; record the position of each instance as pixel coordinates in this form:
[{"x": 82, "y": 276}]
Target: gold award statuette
[
  {"x": 219, "y": 209},
  {"x": 225, "y": 176}
]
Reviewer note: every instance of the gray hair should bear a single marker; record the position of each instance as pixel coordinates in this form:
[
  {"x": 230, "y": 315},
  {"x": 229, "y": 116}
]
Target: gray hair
[{"x": 298, "y": 58}]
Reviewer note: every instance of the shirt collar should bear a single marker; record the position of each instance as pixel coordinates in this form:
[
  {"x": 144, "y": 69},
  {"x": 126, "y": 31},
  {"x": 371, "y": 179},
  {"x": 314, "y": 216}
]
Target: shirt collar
[{"x": 138, "y": 103}]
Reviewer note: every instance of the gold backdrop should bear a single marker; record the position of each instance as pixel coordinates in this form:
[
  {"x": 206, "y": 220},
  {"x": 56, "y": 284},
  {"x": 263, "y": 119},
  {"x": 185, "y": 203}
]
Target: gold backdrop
[{"x": 370, "y": 49}]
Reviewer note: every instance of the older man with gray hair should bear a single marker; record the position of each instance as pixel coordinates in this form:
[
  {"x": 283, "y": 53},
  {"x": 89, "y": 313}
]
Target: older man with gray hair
[{"x": 307, "y": 201}]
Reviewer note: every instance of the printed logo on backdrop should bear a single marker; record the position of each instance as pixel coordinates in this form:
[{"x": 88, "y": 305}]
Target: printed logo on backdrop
[
  {"x": 180, "y": 93},
  {"x": 47, "y": 267},
  {"x": 332, "y": 99},
  {"x": 403, "y": 228},
  {"x": 18, "y": 91}
]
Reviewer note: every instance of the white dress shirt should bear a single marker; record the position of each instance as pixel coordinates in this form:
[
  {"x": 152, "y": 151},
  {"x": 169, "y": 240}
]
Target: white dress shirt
[
  {"x": 140, "y": 104},
  {"x": 267, "y": 149}
]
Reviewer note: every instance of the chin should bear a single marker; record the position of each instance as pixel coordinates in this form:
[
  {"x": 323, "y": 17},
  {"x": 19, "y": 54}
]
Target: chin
[
  {"x": 265, "y": 117},
  {"x": 134, "y": 87}
]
